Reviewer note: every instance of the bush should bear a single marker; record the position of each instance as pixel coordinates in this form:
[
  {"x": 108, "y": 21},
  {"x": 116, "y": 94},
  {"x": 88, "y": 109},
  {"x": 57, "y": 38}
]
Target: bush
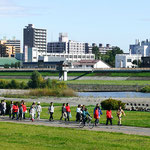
[
  {"x": 14, "y": 84},
  {"x": 52, "y": 92},
  {"x": 146, "y": 89},
  {"x": 68, "y": 93},
  {"x": 3, "y": 84},
  {"x": 112, "y": 104}
]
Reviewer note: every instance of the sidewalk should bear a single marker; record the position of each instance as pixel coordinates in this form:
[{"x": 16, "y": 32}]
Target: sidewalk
[{"x": 114, "y": 128}]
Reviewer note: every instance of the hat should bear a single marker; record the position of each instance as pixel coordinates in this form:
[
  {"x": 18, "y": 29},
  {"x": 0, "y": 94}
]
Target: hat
[{"x": 38, "y": 102}]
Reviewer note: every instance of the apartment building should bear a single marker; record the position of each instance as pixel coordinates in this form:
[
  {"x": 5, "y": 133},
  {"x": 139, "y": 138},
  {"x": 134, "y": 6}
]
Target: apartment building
[
  {"x": 33, "y": 37},
  {"x": 7, "y": 51}
]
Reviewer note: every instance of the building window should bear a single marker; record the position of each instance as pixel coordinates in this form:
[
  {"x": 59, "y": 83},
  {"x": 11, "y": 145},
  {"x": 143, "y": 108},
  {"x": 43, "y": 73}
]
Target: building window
[{"x": 129, "y": 60}]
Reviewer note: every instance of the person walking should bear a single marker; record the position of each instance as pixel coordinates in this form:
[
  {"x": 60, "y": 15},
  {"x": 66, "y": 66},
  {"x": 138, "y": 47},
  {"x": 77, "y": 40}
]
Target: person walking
[
  {"x": 96, "y": 115},
  {"x": 78, "y": 113},
  {"x": 51, "y": 111},
  {"x": 32, "y": 112},
  {"x": 109, "y": 116},
  {"x": 120, "y": 112},
  {"x": 15, "y": 111},
  {"x": 68, "y": 111},
  {"x": 4, "y": 107},
  {"x": 20, "y": 111},
  {"x": 63, "y": 112},
  {"x": 24, "y": 109},
  {"x": 11, "y": 109},
  {"x": 38, "y": 110},
  {"x": 99, "y": 113}
]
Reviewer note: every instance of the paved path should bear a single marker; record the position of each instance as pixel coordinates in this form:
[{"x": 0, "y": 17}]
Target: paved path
[{"x": 114, "y": 128}]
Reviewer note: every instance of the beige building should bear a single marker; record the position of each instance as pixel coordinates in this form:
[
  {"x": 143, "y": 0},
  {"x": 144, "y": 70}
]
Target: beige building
[{"x": 6, "y": 50}]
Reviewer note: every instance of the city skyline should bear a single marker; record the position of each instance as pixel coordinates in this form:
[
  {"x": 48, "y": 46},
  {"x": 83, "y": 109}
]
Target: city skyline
[{"x": 117, "y": 22}]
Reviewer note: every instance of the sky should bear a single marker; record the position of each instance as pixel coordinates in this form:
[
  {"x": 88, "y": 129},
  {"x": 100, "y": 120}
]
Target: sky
[{"x": 116, "y": 22}]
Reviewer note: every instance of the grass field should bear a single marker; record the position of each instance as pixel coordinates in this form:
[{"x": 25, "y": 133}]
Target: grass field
[
  {"x": 132, "y": 118},
  {"x": 111, "y": 74},
  {"x": 19, "y": 136},
  {"x": 102, "y": 82},
  {"x": 110, "y": 82}
]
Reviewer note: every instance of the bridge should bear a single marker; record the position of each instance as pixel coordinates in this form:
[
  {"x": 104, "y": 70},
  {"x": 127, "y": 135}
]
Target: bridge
[{"x": 63, "y": 72}]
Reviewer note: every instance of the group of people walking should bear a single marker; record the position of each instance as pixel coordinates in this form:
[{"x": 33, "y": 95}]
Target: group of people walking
[{"x": 18, "y": 111}]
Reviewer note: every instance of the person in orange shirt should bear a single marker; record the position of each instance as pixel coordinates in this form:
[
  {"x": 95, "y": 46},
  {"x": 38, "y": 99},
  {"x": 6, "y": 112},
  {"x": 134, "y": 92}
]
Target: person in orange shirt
[
  {"x": 109, "y": 116},
  {"x": 15, "y": 111},
  {"x": 96, "y": 115}
]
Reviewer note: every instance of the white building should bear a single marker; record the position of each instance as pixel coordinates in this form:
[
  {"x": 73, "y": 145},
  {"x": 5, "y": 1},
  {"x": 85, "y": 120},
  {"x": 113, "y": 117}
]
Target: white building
[
  {"x": 71, "y": 57},
  {"x": 31, "y": 54},
  {"x": 125, "y": 60},
  {"x": 142, "y": 48},
  {"x": 89, "y": 64}
]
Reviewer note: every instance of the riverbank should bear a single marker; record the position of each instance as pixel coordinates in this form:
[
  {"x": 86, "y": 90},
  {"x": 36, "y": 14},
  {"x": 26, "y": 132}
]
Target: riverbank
[
  {"x": 74, "y": 101},
  {"x": 105, "y": 88}
]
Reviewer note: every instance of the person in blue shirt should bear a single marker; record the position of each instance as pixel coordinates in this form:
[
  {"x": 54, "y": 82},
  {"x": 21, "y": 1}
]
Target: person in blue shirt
[{"x": 85, "y": 115}]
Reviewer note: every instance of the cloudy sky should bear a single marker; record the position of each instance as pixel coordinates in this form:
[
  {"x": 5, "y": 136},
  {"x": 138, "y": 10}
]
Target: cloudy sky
[{"x": 115, "y": 22}]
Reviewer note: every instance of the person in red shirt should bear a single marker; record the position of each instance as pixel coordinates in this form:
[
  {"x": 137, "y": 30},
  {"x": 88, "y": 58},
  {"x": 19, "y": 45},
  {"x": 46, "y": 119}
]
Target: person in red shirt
[
  {"x": 109, "y": 116},
  {"x": 24, "y": 109},
  {"x": 68, "y": 111},
  {"x": 96, "y": 115},
  {"x": 15, "y": 110}
]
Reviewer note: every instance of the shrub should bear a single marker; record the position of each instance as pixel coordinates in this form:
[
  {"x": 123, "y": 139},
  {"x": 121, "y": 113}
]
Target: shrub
[
  {"x": 68, "y": 93},
  {"x": 3, "y": 84},
  {"x": 23, "y": 85},
  {"x": 52, "y": 92},
  {"x": 112, "y": 104},
  {"x": 146, "y": 89},
  {"x": 14, "y": 84}
]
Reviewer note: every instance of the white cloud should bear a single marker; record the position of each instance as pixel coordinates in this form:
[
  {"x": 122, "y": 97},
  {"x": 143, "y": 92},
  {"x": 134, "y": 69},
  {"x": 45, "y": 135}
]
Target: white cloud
[{"x": 8, "y": 8}]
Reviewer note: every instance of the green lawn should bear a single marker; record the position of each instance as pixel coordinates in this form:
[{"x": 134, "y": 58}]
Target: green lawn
[
  {"x": 111, "y": 74},
  {"x": 132, "y": 118},
  {"x": 109, "y": 82},
  {"x": 19, "y": 136},
  {"x": 103, "y": 82}
]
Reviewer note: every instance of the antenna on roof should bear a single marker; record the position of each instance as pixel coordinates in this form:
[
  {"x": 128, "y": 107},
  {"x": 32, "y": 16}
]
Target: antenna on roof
[{"x": 14, "y": 38}]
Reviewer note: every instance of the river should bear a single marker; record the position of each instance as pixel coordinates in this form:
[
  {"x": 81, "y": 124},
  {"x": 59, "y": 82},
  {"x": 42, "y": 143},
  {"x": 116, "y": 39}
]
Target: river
[{"x": 115, "y": 94}]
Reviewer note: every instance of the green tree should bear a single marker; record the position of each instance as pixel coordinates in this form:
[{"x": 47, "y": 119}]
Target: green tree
[
  {"x": 137, "y": 62},
  {"x": 36, "y": 80},
  {"x": 95, "y": 50},
  {"x": 12, "y": 65},
  {"x": 6, "y": 65},
  {"x": 109, "y": 57}
]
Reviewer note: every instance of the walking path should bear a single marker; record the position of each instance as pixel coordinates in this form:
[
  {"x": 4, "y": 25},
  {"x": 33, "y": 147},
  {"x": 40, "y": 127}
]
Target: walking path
[{"x": 114, "y": 128}]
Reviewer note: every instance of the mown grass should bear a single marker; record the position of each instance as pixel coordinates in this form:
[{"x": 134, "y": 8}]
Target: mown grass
[
  {"x": 21, "y": 136},
  {"x": 110, "y": 82},
  {"x": 111, "y": 74},
  {"x": 132, "y": 118}
]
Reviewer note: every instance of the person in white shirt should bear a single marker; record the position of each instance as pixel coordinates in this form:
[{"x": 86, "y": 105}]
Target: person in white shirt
[
  {"x": 51, "y": 111},
  {"x": 78, "y": 111},
  {"x": 4, "y": 106},
  {"x": 32, "y": 112},
  {"x": 38, "y": 110}
]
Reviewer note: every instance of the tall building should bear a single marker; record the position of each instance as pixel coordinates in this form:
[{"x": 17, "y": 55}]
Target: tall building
[
  {"x": 33, "y": 37},
  {"x": 67, "y": 46},
  {"x": 15, "y": 43}
]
